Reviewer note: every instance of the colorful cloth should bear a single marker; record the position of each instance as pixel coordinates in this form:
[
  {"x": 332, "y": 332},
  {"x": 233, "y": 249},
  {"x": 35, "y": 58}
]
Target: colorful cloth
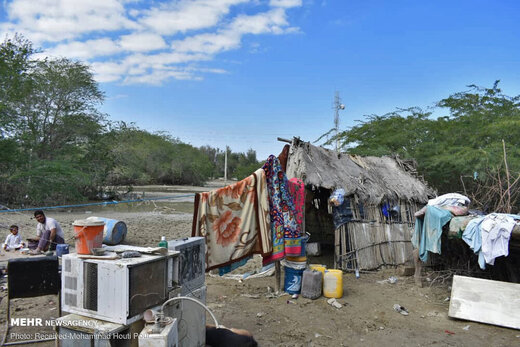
[
  {"x": 234, "y": 221},
  {"x": 297, "y": 190},
  {"x": 284, "y": 227}
]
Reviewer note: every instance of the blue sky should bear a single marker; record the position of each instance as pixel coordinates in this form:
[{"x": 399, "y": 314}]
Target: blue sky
[{"x": 242, "y": 73}]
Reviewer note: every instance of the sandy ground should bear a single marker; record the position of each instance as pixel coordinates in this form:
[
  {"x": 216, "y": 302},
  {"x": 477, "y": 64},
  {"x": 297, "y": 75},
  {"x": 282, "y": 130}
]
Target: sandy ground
[{"x": 366, "y": 318}]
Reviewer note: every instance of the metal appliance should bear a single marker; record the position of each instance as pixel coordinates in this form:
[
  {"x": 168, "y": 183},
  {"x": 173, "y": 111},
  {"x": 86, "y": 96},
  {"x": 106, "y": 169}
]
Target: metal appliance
[{"x": 117, "y": 290}]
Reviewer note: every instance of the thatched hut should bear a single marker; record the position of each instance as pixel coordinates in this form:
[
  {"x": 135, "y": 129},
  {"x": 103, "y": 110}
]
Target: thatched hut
[{"x": 383, "y": 194}]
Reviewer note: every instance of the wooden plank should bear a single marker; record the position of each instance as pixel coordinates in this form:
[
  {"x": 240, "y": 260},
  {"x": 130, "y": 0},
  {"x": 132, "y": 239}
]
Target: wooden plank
[
  {"x": 485, "y": 301},
  {"x": 338, "y": 252}
]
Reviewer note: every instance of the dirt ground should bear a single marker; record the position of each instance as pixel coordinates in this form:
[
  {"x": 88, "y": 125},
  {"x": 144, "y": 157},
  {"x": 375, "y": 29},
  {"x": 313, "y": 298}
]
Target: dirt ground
[{"x": 366, "y": 317}]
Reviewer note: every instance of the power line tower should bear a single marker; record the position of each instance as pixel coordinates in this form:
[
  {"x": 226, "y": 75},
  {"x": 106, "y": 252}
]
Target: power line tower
[{"x": 337, "y": 106}]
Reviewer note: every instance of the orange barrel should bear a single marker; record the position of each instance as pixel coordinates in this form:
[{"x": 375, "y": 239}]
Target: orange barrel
[
  {"x": 88, "y": 235},
  {"x": 333, "y": 284}
]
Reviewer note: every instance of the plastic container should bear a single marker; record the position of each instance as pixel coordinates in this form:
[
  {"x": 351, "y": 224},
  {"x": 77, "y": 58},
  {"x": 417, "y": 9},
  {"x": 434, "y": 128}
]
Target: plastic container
[
  {"x": 305, "y": 238},
  {"x": 62, "y": 249},
  {"x": 115, "y": 230},
  {"x": 318, "y": 267},
  {"x": 88, "y": 235},
  {"x": 312, "y": 284},
  {"x": 293, "y": 280},
  {"x": 333, "y": 284},
  {"x": 163, "y": 242}
]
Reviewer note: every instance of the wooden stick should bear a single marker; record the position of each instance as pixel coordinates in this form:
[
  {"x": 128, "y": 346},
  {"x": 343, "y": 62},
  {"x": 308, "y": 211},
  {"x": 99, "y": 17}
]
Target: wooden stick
[
  {"x": 277, "y": 276},
  {"x": 508, "y": 210}
]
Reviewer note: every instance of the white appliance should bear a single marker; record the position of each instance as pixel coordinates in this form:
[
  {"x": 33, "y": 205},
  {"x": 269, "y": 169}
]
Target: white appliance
[
  {"x": 191, "y": 317},
  {"x": 117, "y": 290},
  {"x": 192, "y": 262},
  {"x": 167, "y": 337}
]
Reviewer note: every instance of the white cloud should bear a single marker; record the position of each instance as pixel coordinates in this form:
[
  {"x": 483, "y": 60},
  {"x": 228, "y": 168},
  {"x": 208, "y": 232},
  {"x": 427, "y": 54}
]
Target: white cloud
[
  {"x": 57, "y": 20},
  {"x": 85, "y": 50},
  {"x": 285, "y": 3},
  {"x": 185, "y": 15},
  {"x": 142, "y": 42},
  {"x": 137, "y": 41}
]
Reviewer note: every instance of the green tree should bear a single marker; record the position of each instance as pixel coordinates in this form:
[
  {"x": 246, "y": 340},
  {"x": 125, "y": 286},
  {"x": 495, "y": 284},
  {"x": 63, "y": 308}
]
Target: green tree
[{"x": 449, "y": 149}]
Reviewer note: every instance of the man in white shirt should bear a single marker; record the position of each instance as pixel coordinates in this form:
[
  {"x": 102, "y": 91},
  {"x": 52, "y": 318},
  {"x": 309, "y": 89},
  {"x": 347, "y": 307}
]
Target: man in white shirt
[{"x": 48, "y": 232}]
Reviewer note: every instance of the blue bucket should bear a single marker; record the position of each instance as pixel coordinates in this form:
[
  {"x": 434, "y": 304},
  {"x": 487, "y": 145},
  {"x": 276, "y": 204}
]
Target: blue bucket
[
  {"x": 62, "y": 249},
  {"x": 115, "y": 231},
  {"x": 293, "y": 280}
]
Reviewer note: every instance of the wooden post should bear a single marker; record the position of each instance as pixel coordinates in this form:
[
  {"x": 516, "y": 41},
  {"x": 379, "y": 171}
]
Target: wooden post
[
  {"x": 277, "y": 277},
  {"x": 418, "y": 268}
]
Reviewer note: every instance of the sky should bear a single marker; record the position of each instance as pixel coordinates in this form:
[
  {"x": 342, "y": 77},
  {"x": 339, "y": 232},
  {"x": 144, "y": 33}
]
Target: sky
[{"x": 242, "y": 73}]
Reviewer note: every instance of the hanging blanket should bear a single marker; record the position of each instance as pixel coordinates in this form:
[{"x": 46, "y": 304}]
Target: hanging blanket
[
  {"x": 234, "y": 220},
  {"x": 297, "y": 190},
  {"x": 284, "y": 227},
  {"x": 427, "y": 233}
]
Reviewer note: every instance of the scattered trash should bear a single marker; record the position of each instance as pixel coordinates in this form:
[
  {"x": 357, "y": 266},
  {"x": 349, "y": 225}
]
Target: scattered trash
[
  {"x": 260, "y": 314},
  {"x": 316, "y": 335},
  {"x": 334, "y": 302},
  {"x": 447, "y": 299},
  {"x": 391, "y": 280},
  {"x": 291, "y": 302},
  {"x": 52, "y": 308},
  {"x": 428, "y": 279},
  {"x": 466, "y": 327},
  {"x": 401, "y": 309},
  {"x": 449, "y": 332},
  {"x": 381, "y": 328},
  {"x": 252, "y": 296},
  {"x": 295, "y": 296}
]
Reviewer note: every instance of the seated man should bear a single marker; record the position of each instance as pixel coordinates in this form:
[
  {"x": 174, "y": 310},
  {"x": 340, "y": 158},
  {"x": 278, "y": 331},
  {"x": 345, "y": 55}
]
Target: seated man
[{"x": 48, "y": 233}]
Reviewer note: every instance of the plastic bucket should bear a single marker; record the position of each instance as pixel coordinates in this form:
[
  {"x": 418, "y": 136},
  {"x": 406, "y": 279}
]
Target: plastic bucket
[
  {"x": 62, "y": 249},
  {"x": 88, "y": 235},
  {"x": 293, "y": 280},
  {"x": 333, "y": 284},
  {"x": 115, "y": 230}
]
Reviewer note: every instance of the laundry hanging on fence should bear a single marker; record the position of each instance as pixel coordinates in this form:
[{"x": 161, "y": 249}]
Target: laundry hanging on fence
[
  {"x": 286, "y": 233},
  {"x": 489, "y": 236},
  {"x": 234, "y": 221},
  {"x": 428, "y": 231}
]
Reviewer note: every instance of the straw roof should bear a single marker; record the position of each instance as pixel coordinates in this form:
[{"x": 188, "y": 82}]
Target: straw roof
[{"x": 372, "y": 179}]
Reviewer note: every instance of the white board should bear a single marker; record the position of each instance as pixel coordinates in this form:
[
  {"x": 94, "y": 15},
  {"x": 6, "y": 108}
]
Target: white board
[{"x": 485, "y": 301}]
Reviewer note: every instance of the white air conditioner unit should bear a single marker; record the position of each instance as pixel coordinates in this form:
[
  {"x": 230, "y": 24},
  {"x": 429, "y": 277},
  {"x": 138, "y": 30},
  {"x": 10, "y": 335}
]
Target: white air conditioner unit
[
  {"x": 192, "y": 262},
  {"x": 117, "y": 291}
]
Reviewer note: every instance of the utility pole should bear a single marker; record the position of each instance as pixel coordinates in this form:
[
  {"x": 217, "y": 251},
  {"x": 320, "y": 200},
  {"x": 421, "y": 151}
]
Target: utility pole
[{"x": 337, "y": 106}]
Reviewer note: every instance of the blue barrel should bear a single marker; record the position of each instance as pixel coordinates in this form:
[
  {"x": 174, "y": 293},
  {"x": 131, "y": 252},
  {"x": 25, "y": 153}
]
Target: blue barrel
[
  {"x": 293, "y": 280},
  {"x": 115, "y": 231},
  {"x": 62, "y": 249}
]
